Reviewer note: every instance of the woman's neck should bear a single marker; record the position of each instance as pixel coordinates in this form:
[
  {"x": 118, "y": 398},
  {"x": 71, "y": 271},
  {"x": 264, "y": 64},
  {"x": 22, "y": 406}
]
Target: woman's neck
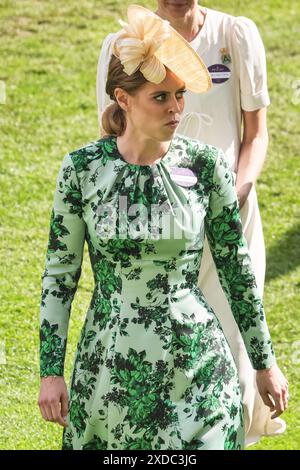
[
  {"x": 189, "y": 25},
  {"x": 140, "y": 150}
]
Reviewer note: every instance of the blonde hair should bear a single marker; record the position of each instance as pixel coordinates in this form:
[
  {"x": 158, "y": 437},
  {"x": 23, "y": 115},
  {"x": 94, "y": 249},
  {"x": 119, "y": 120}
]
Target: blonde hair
[{"x": 113, "y": 119}]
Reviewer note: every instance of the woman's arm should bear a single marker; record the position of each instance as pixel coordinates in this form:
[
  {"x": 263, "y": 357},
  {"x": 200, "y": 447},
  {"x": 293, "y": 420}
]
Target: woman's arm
[
  {"x": 252, "y": 153},
  {"x": 250, "y": 60},
  {"x": 230, "y": 253},
  {"x": 59, "y": 284}
]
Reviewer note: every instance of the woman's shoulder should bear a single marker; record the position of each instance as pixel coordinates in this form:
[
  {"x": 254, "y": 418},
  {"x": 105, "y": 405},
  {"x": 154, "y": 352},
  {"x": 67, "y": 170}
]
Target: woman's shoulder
[
  {"x": 219, "y": 17},
  {"x": 95, "y": 150},
  {"x": 195, "y": 148},
  {"x": 239, "y": 28},
  {"x": 202, "y": 158}
]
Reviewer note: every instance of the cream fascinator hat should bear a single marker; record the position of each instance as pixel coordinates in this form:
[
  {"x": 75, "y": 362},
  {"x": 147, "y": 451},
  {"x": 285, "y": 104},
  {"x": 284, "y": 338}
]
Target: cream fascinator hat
[{"x": 149, "y": 43}]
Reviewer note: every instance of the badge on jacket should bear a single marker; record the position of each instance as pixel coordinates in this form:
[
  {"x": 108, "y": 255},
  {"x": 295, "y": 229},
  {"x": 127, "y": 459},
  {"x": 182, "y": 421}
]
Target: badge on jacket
[
  {"x": 183, "y": 176},
  {"x": 225, "y": 56},
  {"x": 219, "y": 73}
]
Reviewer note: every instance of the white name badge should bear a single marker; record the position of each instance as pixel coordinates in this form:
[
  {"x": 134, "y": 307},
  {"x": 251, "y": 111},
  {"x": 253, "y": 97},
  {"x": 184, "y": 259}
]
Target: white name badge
[{"x": 183, "y": 176}]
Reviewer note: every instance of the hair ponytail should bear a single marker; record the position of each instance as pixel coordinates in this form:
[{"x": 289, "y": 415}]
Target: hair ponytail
[{"x": 113, "y": 120}]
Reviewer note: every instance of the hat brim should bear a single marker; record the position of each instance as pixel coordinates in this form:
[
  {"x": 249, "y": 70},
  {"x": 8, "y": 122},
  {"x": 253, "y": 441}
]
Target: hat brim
[{"x": 177, "y": 54}]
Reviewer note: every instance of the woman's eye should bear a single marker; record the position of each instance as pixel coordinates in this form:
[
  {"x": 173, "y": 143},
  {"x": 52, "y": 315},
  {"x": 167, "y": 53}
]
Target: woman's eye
[
  {"x": 180, "y": 94},
  {"x": 160, "y": 97},
  {"x": 163, "y": 96}
]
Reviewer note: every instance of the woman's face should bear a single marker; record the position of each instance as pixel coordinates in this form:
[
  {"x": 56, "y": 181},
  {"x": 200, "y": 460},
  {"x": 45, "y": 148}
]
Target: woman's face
[
  {"x": 176, "y": 8},
  {"x": 154, "y": 111}
]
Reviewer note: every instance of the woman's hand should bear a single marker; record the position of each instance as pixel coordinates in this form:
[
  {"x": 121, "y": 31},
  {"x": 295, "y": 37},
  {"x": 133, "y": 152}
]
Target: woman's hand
[
  {"x": 53, "y": 399},
  {"x": 243, "y": 193},
  {"x": 271, "y": 382}
]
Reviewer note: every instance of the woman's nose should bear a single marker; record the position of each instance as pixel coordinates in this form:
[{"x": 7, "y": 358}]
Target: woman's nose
[{"x": 174, "y": 106}]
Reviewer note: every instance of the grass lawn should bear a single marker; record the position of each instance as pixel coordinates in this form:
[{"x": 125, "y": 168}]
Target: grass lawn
[{"x": 48, "y": 59}]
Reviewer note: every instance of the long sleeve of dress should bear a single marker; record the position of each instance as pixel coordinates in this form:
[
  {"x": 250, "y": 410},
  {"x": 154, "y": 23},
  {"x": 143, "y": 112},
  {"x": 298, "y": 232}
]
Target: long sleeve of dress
[
  {"x": 62, "y": 270},
  {"x": 230, "y": 253}
]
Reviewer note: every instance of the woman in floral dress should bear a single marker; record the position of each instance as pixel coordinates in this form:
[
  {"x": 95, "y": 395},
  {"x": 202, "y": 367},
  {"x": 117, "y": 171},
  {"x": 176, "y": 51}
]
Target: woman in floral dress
[
  {"x": 233, "y": 117},
  {"x": 153, "y": 369}
]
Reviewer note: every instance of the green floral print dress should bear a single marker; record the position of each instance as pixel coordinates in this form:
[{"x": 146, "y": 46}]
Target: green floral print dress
[{"x": 152, "y": 369}]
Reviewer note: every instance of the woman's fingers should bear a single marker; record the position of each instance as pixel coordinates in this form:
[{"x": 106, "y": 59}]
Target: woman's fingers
[
  {"x": 57, "y": 418},
  {"x": 276, "y": 400},
  {"x": 46, "y": 411},
  {"x": 53, "y": 399},
  {"x": 279, "y": 405},
  {"x": 267, "y": 401},
  {"x": 276, "y": 414},
  {"x": 285, "y": 398},
  {"x": 43, "y": 412},
  {"x": 273, "y": 388},
  {"x": 51, "y": 411},
  {"x": 64, "y": 405}
]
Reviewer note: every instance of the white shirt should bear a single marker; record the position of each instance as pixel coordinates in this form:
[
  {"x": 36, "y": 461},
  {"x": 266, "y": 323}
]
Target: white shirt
[{"x": 215, "y": 117}]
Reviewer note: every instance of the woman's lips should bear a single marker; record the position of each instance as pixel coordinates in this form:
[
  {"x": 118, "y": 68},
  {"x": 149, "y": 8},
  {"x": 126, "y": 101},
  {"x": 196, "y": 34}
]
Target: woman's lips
[{"x": 172, "y": 124}]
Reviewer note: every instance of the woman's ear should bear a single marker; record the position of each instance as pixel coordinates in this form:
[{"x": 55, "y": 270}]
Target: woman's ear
[{"x": 122, "y": 98}]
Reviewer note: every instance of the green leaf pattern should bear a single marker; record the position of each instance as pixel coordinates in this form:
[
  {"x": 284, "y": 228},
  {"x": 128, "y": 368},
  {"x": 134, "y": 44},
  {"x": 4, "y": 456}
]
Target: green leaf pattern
[{"x": 152, "y": 369}]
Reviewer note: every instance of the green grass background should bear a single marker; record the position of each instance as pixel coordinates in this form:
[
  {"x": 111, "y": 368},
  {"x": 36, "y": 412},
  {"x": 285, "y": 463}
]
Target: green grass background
[{"x": 48, "y": 58}]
